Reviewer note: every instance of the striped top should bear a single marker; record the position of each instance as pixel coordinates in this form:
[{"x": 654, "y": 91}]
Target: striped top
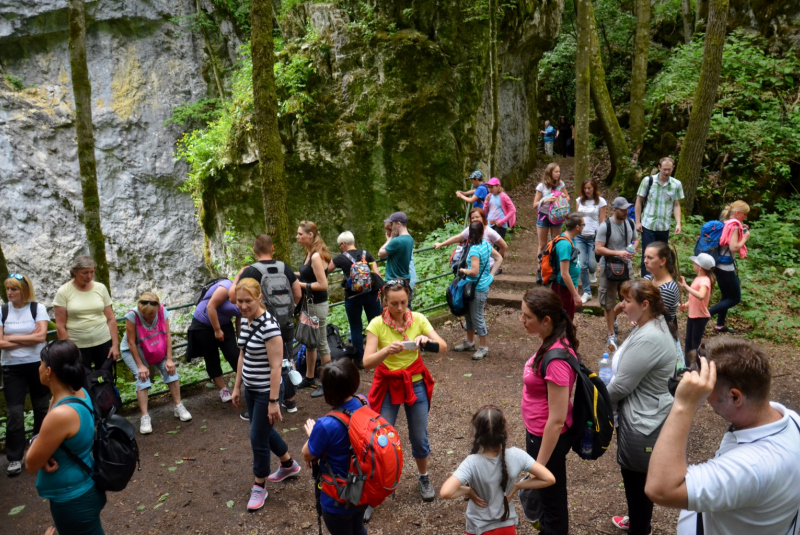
[
  {"x": 256, "y": 370},
  {"x": 671, "y": 295}
]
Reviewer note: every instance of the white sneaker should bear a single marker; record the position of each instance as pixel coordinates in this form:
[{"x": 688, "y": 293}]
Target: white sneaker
[
  {"x": 14, "y": 468},
  {"x": 181, "y": 412},
  {"x": 592, "y": 278},
  {"x": 612, "y": 343},
  {"x": 145, "y": 426},
  {"x": 225, "y": 395},
  {"x": 585, "y": 298}
]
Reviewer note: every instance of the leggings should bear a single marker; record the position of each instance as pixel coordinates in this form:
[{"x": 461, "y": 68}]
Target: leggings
[
  {"x": 640, "y": 508},
  {"x": 552, "y": 508},
  {"x": 695, "y": 328},
  {"x": 731, "y": 291},
  {"x": 348, "y": 524}
]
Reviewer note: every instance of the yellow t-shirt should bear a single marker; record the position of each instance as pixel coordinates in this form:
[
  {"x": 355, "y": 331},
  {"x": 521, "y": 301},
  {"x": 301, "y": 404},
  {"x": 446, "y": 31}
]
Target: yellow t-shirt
[
  {"x": 87, "y": 326},
  {"x": 386, "y": 335}
]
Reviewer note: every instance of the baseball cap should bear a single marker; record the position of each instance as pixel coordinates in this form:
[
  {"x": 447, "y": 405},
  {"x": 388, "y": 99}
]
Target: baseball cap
[
  {"x": 476, "y": 175},
  {"x": 493, "y": 182},
  {"x": 396, "y": 217},
  {"x": 620, "y": 203},
  {"x": 704, "y": 260}
]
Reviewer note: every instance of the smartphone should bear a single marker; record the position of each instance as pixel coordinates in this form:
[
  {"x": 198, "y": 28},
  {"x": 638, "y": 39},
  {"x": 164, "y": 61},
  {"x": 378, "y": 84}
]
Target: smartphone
[{"x": 409, "y": 345}]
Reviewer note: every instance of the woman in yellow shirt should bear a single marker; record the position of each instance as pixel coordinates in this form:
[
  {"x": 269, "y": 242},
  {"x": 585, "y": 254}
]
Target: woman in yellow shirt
[
  {"x": 84, "y": 315},
  {"x": 401, "y": 377}
]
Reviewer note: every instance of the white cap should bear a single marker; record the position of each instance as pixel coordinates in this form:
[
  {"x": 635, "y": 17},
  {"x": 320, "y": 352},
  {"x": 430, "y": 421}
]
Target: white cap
[{"x": 704, "y": 260}]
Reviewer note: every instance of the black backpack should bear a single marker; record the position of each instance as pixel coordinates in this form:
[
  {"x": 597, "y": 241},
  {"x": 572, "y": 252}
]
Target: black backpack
[
  {"x": 200, "y": 296},
  {"x": 336, "y": 344},
  {"x": 102, "y": 389},
  {"x": 33, "y": 307},
  {"x": 591, "y": 404},
  {"x": 115, "y": 452}
]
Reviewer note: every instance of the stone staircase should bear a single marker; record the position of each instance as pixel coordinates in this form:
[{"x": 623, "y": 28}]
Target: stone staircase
[{"x": 507, "y": 290}]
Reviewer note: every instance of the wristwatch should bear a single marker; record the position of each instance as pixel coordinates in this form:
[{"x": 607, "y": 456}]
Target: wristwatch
[{"x": 274, "y": 400}]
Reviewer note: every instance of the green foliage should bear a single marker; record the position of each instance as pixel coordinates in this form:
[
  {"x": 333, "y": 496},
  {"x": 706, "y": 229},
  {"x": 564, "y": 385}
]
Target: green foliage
[
  {"x": 769, "y": 299},
  {"x": 755, "y": 127},
  {"x": 557, "y": 74},
  {"x": 239, "y": 10},
  {"x": 15, "y": 82},
  {"x": 198, "y": 113}
]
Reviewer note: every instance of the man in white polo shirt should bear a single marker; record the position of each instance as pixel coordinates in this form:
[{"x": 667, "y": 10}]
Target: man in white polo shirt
[{"x": 752, "y": 485}]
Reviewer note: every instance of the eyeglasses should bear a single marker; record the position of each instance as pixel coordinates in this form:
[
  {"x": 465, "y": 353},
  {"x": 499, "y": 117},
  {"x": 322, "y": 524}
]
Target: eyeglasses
[
  {"x": 151, "y": 303},
  {"x": 397, "y": 282}
]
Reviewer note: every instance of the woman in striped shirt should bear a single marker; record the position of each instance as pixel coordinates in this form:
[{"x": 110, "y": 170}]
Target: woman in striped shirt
[{"x": 260, "y": 369}]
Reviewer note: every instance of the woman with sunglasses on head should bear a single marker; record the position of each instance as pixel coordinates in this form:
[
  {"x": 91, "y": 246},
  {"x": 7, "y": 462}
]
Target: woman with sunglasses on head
[
  {"x": 546, "y": 406},
  {"x": 394, "y": 340},
  {"x": 75, "y": 501},
  {"x": 148, "y": 324},
  {"x": 23, "y": 329},
  {"x": 84, "y": 315}
]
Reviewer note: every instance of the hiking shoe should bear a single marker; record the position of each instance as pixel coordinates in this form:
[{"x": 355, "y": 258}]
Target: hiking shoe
[
  {"x": 481, "y": 353},
  {"x": 465, "y": 346},
  {"x": 368, "y": 514},
  {"x": 258, "y": 495},
  {"x": 616, "y": 327},
  {"x": 425, "y": 488},
  {"x": 622, "y": 522},
  {"x": 14, "y": 468},
  {"x": 282, "y": 473},
  {"x": 318, "y": 393},
  {"x": 145, "y": 425},
  {"x": 244, "y": 415},
  {"x": 306, "y": 383},
  {"x": 592, "y": 278},
  {"x": 612, "y": 343},
  {"x": 724, "y": 329},
  {"x": 180, "y": 412},
  {"x": 225, "y": 395},
  {"x": 290, "y": 406},
  {"x": 586, "y": 297}
]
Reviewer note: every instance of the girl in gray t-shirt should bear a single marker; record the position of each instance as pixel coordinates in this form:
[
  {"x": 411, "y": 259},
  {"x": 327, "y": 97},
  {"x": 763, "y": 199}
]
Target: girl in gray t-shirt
[{"x": 488, "y": 476}]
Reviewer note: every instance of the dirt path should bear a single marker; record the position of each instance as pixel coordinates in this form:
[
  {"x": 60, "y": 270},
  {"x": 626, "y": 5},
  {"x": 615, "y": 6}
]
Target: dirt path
[{"x": 207, "y": 463}]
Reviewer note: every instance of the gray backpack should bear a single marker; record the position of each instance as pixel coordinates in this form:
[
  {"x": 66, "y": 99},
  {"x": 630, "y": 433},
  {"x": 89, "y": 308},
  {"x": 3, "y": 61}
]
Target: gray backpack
[{"x": 276, "y": 291}]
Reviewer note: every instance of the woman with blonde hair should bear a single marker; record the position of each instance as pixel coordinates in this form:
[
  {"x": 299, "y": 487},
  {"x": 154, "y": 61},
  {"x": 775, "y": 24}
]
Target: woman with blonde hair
[
  {"x": 734, "y": 237},
  {"x": 84, "y": 315},
  {"x": 259, "y": 369},
  {"x": 23, "y": 329},
  {"x": 313, "y": 278},
  {"x": 551, "y": 182},
  {"x": 148, "y": 343}
]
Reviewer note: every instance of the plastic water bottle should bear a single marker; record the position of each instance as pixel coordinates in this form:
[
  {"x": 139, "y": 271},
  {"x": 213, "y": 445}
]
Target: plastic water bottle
[
  {"x": 630, "y": 248},
  {"x": 587, "y": 442},
  {"x": 605, "y": 369}
]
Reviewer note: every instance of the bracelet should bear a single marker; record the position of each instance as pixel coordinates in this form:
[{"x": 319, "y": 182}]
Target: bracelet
[{"x": 274, "y": 400}]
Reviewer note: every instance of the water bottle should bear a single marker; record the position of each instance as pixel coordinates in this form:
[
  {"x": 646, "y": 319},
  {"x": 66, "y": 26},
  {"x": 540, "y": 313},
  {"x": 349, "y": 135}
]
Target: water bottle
[
  {"x": 630, "y": 248},
  {"x": 587, "y": 442},
  {"x": 605, "y": 369}
]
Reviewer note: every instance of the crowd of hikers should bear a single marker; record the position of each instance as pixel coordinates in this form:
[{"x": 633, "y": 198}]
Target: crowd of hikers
[{"x": 647, "y": 391}]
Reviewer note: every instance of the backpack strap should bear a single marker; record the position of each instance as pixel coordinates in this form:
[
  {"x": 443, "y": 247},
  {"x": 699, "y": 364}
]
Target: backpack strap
[
  {"x": 558, "y": 354},
  {"x": 5, "y": 313},
  {"x": 71, "y": 454},
  {"x": 350, "y": 258}
]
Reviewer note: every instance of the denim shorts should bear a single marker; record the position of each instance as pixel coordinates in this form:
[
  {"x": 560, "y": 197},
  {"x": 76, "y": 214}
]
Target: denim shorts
[
  {"x": 542, "y": 221},
  {"x": 161, "y": 367}
]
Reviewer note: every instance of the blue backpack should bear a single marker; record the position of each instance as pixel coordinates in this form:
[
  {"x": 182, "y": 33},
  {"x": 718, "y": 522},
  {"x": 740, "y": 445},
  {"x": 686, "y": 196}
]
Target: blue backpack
[{"x": 708, "y": 242}]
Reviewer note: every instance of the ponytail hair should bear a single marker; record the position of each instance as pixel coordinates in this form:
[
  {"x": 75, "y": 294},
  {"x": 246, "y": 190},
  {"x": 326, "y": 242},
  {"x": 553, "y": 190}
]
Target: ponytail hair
[
  {"x": 475, "y": 236},
  {"x": 666, "y": 253},
  {"x": 543, "y": 302},
  {"x": 64, "y": 359},
  {"x": 735, "y": 206},
  {"x": 489, "y": 430},
  {"x": 641, "y": 290},
  {"x": 317, "y": 245}
]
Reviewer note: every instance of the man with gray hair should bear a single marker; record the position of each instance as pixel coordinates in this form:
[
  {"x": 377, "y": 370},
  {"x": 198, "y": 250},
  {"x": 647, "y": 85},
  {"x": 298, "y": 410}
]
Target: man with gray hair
[
  {"x": 549, "y": 134},
  {"x": 750, "y": 487}
]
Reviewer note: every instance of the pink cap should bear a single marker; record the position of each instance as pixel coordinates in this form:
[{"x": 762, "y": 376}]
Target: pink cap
[{"x": 493, "y": 182}]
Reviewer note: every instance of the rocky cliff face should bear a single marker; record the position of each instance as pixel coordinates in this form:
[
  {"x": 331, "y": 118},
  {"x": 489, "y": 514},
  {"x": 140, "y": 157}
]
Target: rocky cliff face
[
  {"x": 401, "y": 115},
  {"x": 141, "y": 67}
]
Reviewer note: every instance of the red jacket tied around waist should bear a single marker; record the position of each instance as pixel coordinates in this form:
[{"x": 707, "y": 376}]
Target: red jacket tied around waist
[{"x": 398, "y": 384}]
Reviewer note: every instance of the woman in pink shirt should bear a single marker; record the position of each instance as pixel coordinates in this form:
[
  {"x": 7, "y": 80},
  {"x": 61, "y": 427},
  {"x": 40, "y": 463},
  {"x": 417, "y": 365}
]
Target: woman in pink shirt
[{"x": 546, "y": 407}]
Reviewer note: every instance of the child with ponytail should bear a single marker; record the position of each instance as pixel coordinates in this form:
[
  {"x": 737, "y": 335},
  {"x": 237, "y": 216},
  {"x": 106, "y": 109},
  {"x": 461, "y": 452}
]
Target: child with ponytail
[{"x": 488, "y": 476}]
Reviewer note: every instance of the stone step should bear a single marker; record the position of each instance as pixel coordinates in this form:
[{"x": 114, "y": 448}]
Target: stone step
[
  {"x": 514, "y": 300},
  {"x": 514, "y": 282}
]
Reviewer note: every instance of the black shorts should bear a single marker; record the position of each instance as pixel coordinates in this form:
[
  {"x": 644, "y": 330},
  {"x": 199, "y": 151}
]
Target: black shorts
[
  {"x": 202, "y": 343},
  {"x": 95, "y": 355}
]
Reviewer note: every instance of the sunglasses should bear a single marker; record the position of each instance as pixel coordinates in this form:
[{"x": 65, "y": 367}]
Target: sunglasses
[
  {"x": 151, "y": 303},
  {"x": 16, "y": 276},
  {"x": 396, "y": 282}
]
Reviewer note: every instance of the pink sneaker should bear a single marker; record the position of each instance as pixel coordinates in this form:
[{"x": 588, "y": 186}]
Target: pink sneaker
[
  {"x": 282, "y": 473},
  {"x": 622, "y": 522},
  {"x": 225, "y": 395},
  {"x": 258, "y": 495}
]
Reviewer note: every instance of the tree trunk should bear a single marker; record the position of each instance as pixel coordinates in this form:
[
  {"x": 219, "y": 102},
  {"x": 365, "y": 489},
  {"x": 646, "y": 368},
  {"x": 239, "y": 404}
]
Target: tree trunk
[
  {"x": 688, "y": 22},
  {"x": 694, "y": 144},
  {"x": 641, "y": 47},
  {"x": 583, "y": 78},
  {"x": 604, "y": 108},
  {"x": 494, "y": 72},
  {"x": 265, "y": 119},
  {"x": 82, "y": 92},
  {"x": 3, "y": 275}
]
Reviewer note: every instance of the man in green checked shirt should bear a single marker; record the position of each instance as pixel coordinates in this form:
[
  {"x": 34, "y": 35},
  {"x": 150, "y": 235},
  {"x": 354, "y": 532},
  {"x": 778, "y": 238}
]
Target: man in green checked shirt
[{"x": 660, "y": 197}]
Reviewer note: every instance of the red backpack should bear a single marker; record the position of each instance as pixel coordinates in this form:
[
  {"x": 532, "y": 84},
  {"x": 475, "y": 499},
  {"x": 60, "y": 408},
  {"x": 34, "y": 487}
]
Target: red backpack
[{"x": 376, "y": 460}]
